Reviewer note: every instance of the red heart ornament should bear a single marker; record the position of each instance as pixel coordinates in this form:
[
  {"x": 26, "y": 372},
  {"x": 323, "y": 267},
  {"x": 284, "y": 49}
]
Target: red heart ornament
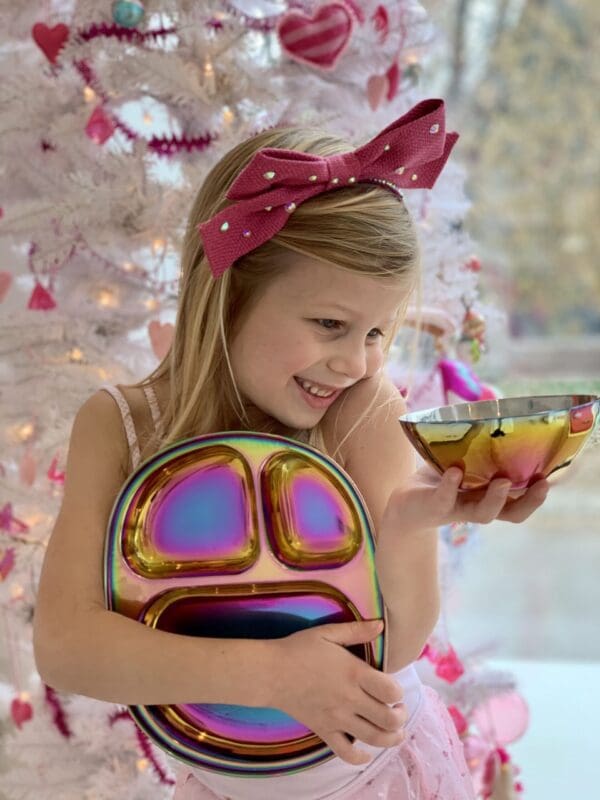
[
  {"x": 161, "y": 337},
  {"x": 50, "y": 40},
  {"x": 20, "y": 711},
  {"x": 319, "y": 40}
]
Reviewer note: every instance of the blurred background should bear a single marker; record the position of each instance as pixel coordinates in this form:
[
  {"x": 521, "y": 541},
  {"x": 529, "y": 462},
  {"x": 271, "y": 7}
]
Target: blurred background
[{"x": 112, "y": 113}]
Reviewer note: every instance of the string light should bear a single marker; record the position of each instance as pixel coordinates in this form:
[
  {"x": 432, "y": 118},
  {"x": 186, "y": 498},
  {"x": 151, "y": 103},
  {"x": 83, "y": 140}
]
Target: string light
[
  {"x": 128, "y": 266},
  {"x": 151, "y": 304},
  {"x": 25, "y": 432},
  {"x": 147, "y": 118},
  {"x": 76, "y": 355},
  {"x": 106, "y": 298},
  {"x": 17, "y": 591},
  {"x": 142, "y": 764},
  {"x": 89, "y": 95},
  {"x": 228, "y": 115},
  {"x": 158, "y": 244}
]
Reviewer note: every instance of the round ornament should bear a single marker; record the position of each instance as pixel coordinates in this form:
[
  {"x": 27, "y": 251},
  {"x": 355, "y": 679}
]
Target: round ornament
[
  {"x": 127, "y": 13},
  {"x": 240, "y": 535}
]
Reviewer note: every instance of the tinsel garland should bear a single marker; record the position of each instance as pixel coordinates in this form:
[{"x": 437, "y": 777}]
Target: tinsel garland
[{"x": 144, "y": 745}]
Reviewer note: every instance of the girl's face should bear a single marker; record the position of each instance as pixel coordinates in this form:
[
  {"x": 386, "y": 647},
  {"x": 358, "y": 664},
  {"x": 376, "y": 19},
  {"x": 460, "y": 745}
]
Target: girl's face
[{"x": 316, "y": 328}]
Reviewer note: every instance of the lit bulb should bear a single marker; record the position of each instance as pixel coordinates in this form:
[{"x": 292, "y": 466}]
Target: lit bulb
[
  {"x": 228, "y": 115},
  {"x": 76, "y": 355},
  {"x": 148, "y": 118},
  {"x": 103, "y": 374},
  {"x": 128, "y": 266},
  {"x": 151, "y": 304},
  {"x": 25, "y": 432},
  {"x": 158, "y": 244},
  {"x": 24, "y": 697},
  {"x": 17, "y": 591},
  {"x": 208, "y": 68},
  {"x": 107, "y": 299},
  {"x": 89, "y": 95},
  {"x": 142, "y": 764}
]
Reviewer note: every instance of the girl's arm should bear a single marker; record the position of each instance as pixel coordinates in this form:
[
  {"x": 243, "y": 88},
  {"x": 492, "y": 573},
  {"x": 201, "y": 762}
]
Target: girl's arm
[
  {"x": 379, "y": 458},
  {"x": 83, "y": 648},
  {"x": 407, "y": 508}
]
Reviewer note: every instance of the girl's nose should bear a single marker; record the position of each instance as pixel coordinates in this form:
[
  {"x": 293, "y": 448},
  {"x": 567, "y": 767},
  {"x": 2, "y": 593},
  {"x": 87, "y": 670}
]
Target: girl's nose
[{"x": 350, "y": 361}]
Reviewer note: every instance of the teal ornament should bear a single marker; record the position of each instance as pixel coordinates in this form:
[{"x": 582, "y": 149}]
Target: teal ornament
[{"x": 127, "y": 13}]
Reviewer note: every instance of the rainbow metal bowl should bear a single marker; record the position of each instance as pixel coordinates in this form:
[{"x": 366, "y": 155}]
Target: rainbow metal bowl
[
  {"x": 521, "y": 438},
  {"x": 240, "y": 535}
]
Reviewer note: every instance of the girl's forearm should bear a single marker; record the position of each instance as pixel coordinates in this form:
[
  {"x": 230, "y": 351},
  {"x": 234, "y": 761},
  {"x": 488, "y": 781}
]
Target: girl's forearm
[
  {"x": 113, "y": 658},
  {"x": 410, "y": 586}
]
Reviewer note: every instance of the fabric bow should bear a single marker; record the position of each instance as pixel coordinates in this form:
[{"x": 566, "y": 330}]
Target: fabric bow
[{"x": 410, "y": 153}]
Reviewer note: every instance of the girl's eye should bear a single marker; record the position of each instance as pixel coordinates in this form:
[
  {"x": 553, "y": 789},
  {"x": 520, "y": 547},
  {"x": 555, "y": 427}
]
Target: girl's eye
[{"x": 335, "y": 324}]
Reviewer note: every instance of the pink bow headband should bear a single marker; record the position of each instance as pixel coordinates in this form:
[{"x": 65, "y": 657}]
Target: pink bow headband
[{"x": 409, "y": 153}]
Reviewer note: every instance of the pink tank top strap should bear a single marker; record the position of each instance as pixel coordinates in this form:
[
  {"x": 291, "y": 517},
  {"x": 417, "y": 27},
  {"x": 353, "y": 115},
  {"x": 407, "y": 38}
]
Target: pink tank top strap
[
  {"x": 153, "y": 403},
  {"x": 132, "y": 440}
]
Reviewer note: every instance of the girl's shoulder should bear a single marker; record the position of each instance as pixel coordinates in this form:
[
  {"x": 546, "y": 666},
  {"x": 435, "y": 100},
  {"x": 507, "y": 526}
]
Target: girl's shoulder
[{"x": 373, "y": 448}]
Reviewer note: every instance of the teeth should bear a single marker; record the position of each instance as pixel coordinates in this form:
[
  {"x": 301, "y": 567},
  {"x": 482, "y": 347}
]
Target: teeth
[{"x": 311, "y": 389}]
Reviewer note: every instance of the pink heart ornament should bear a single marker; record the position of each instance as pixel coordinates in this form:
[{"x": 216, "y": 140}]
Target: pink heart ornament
[
  {"x": 319, "y": 40},
  {"x": 5, "y": 284},
  {"x": 161, "y": 337},
  {"x": 20, "y": 711},
  {"x": 50, "y": 40},
  {"x": 377, "y": 87}
]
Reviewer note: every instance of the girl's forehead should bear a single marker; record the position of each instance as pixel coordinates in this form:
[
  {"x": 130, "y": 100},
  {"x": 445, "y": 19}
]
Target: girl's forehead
[{"x": 311, "y": 281}]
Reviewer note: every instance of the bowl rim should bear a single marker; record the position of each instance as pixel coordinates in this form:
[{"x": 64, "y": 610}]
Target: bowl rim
[{"x": 412, "y": 417}]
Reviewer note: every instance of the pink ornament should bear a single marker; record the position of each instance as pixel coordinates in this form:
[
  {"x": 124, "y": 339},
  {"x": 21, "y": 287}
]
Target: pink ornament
[
  {"x": 50, "y": 40},
  {"x": 161, "y": 337},
  {"x": 5, "y": 284},
  {"x": 20, "y": 711},
  {"x": 381, "y": 23},
  {"x": 7, "y": 562},
  {"x": 318, "y": 41},
  {"x": 393, "y": 76},
  {"x": 448, "y": 666},
  {"x": 10, "y": 523},
  {"x": 503, "y": 718},
  {"x": 53, "y": 473},
  {"x": 460, "y": 723},
  {"x": 100, "y": 126},
  {"x": 41, "y": 299},
  {"x": 473, "y": 264},
  {"x": 28, "y": 468},
  {"x": 377, "y": 88}
]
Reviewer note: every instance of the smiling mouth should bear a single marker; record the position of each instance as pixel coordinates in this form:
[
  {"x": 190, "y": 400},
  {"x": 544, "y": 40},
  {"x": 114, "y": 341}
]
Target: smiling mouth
[{"x": 317, "y": 389}]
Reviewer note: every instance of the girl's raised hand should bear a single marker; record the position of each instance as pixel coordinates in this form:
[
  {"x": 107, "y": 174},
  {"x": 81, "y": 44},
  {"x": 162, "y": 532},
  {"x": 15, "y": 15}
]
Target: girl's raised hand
[
  {"x": 335, "y": 693},
  {"x": 429, "y": 500}
]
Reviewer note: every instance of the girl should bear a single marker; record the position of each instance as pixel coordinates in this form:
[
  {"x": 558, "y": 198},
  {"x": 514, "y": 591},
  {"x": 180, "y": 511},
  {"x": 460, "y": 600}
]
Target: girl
[{"x": 298, "y": 263}]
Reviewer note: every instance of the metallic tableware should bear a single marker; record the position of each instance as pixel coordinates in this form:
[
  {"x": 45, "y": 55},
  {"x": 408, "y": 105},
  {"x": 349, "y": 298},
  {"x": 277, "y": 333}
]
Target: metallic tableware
[
  {"x": 240, "y": 535},
  {"x": 521, "y": 438}
]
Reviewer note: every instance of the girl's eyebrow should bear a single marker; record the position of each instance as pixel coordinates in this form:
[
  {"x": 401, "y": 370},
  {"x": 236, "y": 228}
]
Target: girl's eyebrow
[{"x": 350, "y": 311}]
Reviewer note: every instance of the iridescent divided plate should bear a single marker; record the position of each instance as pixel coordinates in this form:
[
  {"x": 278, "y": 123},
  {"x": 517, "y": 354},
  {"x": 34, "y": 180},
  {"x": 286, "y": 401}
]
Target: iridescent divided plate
[
  {"x": 521, "y": 438},
  {"x": 240, "y": 535}
]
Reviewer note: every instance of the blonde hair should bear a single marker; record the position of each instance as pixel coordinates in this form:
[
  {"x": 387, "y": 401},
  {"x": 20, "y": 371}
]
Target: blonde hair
[{"x": 364, "y": 228}]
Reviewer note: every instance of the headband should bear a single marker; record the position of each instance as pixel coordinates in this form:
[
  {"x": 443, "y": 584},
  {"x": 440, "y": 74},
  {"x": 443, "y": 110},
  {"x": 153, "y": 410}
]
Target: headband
[{"x": 409, "y": 154}]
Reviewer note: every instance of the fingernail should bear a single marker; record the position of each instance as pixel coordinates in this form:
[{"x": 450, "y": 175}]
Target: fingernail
[{"x": 504, "y": 485}]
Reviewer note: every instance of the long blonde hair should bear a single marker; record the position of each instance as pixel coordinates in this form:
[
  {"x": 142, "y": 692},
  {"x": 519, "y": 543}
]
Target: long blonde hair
[{"x": 363, "y": 228}]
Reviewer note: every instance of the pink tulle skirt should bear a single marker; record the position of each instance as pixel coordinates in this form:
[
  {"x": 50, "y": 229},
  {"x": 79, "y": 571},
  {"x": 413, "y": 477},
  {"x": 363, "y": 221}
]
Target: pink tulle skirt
[{"x": 428, "y": 765}]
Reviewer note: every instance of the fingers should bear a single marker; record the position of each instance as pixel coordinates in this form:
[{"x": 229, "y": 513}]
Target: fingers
[
  {"x": 356, "y": 632},
  {"x": 518, "y": 510},
  {"x": 488, "y": 508},
  {"x": 380, "y": 686},
  {"x": 386, "y": 718},
  {"x": 371, "y": 734},
  {"x": 343, "y": 747},
  {"x": 447, "y": 490}
]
